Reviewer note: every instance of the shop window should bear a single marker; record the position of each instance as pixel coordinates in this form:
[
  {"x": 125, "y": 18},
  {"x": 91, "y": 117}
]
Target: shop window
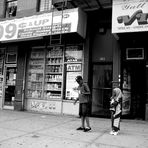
[
  {"x": 47, "y": 70},
  {"x": 134, "y": 53},
  {"x": 45, "y": 5},
  {"x": 11, "y": 57},
  {"x": 11, "y": 8},
  {"x": 35, "y": 73},
  {"x": 54, "y": 73},
  {"x": 73, "y": 61}
]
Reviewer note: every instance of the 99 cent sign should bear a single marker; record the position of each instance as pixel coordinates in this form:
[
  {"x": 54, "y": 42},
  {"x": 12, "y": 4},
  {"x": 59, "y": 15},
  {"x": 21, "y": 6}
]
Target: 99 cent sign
[
  {"x": 39, "y": 25},
  {"x": 8, "y": 31}
]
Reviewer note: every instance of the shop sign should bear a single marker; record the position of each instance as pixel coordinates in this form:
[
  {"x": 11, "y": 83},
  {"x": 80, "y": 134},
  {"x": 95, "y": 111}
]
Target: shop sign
[
  {"x": 74, "y": 67},
  {"x": 43, "y": 25},
  {"x": 129, "y": 16}
]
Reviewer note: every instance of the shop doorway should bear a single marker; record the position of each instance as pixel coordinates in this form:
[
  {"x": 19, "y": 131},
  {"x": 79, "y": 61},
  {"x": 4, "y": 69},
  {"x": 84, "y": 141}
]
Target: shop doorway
[
  {"x": 10, "y": 81},
  {"x": 101, "y": 89},
  {"x": 135, "y": 83}
]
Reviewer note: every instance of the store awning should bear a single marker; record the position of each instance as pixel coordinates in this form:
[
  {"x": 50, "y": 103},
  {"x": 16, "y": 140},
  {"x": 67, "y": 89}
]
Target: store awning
[
  {"x": 73, "y": 20},
  {"x": 129, "y": 16}
]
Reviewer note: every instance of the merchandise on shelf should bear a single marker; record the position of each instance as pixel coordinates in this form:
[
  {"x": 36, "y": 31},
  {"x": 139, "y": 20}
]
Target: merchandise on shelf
[
  {"x": 54, "y": 76},
  {"x": 36, "y": 74}
]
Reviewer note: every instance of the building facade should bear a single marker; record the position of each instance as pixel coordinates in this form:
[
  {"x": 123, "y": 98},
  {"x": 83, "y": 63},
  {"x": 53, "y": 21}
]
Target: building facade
[{"x": 42, "y": 53}]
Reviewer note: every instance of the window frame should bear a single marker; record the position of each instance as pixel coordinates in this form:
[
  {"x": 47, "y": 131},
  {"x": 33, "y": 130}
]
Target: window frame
[
  {"x": 7, "y": 2},
  {"x": 45, "y": 1}
]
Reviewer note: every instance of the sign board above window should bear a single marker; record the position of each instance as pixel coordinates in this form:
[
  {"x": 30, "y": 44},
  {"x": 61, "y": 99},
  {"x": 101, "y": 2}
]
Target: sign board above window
[
  {"x": 129, "y": 16},
  {"x": 68, "y": 21},
  {"x": 134, "y": 53}
]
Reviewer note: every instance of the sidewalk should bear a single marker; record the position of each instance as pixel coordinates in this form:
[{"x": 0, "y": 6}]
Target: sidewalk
[{"x": 32, "y": 130}]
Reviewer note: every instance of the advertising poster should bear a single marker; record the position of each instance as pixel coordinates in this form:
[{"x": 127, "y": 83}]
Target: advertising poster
[
  {"x": 73, "y": 70},
  {"x": 126, "y": 102},
  {"x": 129, "y": 16},
  {"x": 73, "y": 54}
]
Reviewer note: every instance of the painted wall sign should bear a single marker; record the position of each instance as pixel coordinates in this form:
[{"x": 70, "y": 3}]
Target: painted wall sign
[
  {"x": 129, "y": 16},
  {"x": 43, "y": 25},
  {"x": 44, "y": 106}
]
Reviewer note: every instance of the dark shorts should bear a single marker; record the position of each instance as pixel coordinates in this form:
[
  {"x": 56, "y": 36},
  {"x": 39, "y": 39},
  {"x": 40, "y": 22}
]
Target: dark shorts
[{"x": 84, "y": 109}]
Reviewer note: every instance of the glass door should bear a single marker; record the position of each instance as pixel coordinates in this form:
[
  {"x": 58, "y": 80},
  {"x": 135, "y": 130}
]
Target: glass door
[
  {"x": 10, "y": 75},
  {"x": 101, "y": 89}
]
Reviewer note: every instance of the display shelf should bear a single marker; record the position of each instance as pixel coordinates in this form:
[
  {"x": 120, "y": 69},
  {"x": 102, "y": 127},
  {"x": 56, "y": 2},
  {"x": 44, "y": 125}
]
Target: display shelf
[
  {"x": 35, "y": 79},
  {"x": 54, "y": 73}
]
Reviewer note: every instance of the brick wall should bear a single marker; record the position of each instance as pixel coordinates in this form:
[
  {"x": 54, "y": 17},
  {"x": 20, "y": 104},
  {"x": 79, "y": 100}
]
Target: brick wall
[
  {"x": 27, "y": 7},
  {"x": 2, "y": 8}
]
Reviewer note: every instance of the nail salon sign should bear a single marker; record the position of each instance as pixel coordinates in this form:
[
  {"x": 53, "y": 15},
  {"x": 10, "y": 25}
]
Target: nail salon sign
[{"x": 129, "y": 16}]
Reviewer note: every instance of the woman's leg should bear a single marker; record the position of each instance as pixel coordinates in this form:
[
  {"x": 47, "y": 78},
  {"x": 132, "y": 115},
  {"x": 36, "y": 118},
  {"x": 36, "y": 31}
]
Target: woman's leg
[
  {"x": 87, "y": 122},
  {"x": 112, "y": 121}
]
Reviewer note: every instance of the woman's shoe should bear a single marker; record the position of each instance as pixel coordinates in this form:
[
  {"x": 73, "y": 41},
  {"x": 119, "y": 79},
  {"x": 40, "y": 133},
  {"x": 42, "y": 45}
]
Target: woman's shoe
[
  {"x": 116, "y": 133},
  {"x": 111, "y": 132}
]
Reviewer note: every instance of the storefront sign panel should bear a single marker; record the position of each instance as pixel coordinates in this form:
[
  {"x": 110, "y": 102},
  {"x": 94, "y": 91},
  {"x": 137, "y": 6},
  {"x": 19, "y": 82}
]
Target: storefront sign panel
[
  {"x": 129, "y": 16},
  {"x": 40, "y": 25}
]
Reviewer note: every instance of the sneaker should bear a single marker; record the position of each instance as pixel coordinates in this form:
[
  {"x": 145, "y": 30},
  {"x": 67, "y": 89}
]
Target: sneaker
[
  {"x": 87, "y": 129},
  {"x": 115, "y": 133},
  {"x": 111, "y": 132},
  {"x": 80, "y": 128}
]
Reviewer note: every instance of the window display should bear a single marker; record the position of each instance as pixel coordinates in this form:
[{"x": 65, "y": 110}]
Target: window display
[
  {"x": 36, "y": 73},
  {"x": 54, "y": 73},
  {"x": 11, "y": 8},
  {"x": 73, "y": 58},
  {"x": 10, "y": 84},
  {"x": 46, "y": 72},
  {"x": 73, "y": 54}
]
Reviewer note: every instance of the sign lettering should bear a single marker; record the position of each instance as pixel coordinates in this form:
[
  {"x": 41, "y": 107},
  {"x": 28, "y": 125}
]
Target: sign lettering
[
  {"x": 74, "y": 67},
  {"x": 9, "y": 31},
  {"x": 138, "y": 15},
  {"x": 42, "y": 25},
  {"x": 129, "y": 16}
]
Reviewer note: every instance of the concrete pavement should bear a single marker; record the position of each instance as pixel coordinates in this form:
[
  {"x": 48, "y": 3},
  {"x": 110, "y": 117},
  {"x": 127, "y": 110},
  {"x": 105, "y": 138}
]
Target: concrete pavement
[{"x": 34, "y": 130}]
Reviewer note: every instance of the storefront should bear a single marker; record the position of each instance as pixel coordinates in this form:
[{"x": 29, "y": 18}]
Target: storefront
[
  {"x": 36, "y": 75},
  {"x": 129, "y": 23},
  {"x": 51, "y": 73},
  {"x": 119, "y": 57}
]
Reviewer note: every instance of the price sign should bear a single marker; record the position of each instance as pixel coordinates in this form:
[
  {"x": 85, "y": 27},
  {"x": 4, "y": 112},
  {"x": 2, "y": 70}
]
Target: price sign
[
  {"x": 39, "y": 25},
  {"x": 8, "y": 31}
]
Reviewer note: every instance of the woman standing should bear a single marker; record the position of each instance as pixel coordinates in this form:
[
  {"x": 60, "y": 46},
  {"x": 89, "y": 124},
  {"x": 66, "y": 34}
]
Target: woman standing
[{"x": 115, "y": 108}]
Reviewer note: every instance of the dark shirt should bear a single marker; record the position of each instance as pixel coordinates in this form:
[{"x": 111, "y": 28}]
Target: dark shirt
[{"x": 84, "y": 93}]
